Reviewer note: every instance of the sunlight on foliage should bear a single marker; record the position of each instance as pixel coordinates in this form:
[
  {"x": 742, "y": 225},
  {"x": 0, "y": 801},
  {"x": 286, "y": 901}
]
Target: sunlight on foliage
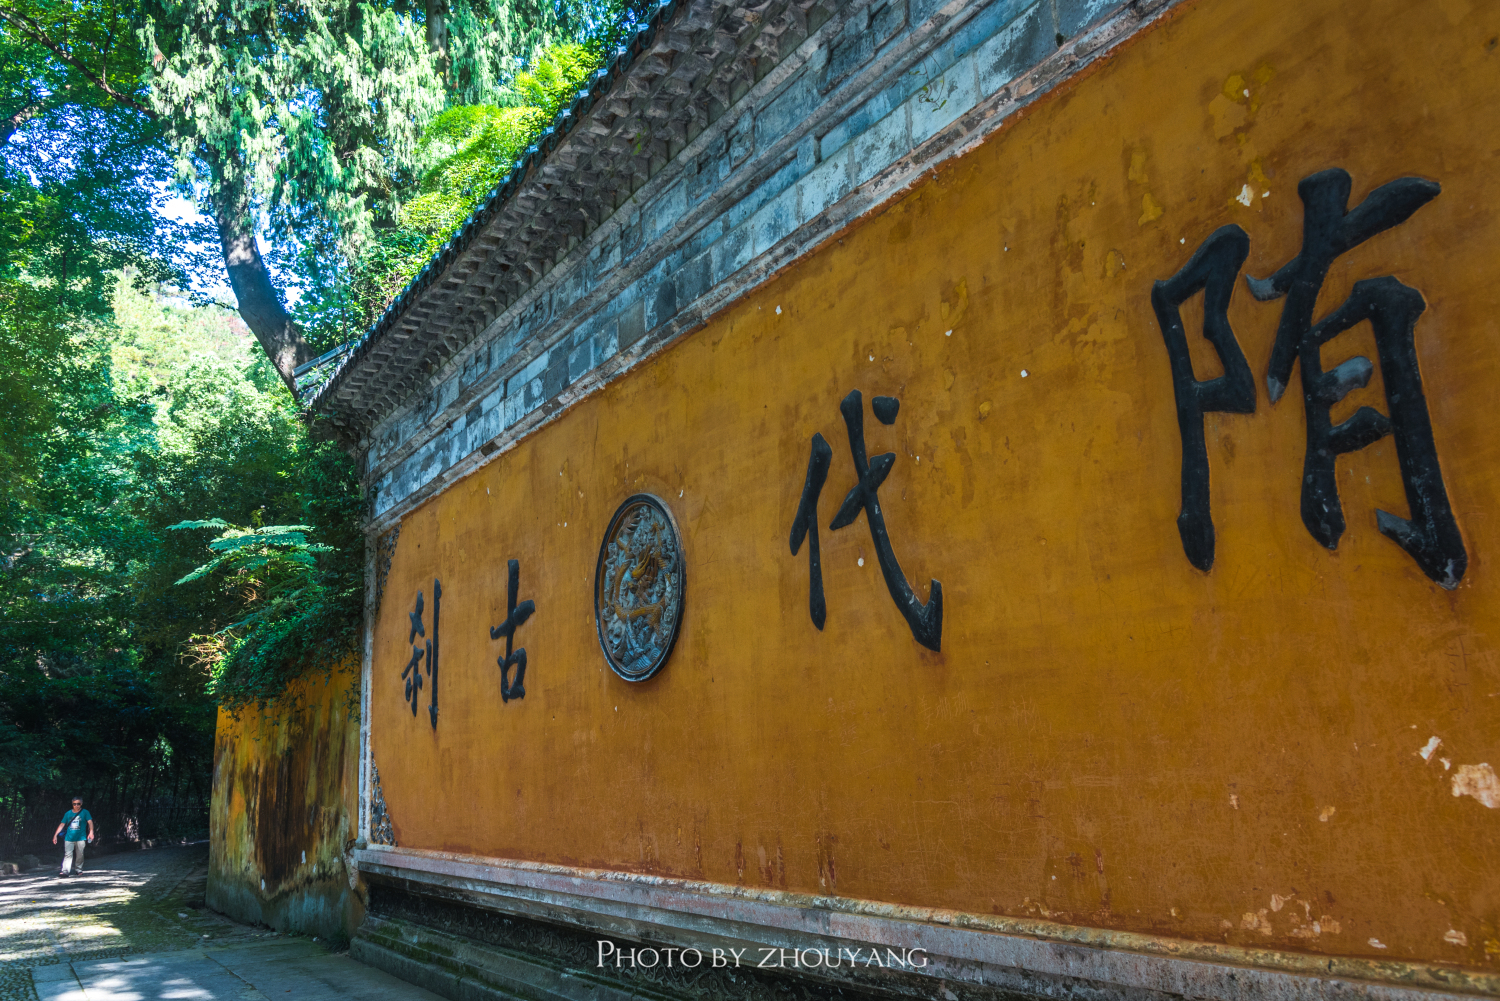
[{"x": 464, "y": 153}]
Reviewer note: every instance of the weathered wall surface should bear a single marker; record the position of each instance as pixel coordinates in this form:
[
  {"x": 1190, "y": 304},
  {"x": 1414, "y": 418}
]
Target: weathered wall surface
[
  {"x": 1109, "y": 736},
  {"x": 284, "y": 809}
]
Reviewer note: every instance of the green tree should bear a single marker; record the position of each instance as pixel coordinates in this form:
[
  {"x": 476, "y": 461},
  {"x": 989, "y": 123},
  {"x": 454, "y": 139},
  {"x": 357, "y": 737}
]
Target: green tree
[{"x": 355, "y": 139}]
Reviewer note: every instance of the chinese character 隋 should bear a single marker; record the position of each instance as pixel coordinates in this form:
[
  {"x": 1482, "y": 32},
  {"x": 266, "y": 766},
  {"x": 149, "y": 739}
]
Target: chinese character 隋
[{"x": 1431, "y": 536}]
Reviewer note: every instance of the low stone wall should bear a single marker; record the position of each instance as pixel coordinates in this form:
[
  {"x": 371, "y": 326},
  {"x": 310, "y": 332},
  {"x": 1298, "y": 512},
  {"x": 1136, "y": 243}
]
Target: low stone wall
[{"x": 285, "y": 788}]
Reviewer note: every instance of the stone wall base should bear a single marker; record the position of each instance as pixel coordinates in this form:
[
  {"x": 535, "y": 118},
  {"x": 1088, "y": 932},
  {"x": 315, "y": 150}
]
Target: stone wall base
[{"x": 468, "y": 953}]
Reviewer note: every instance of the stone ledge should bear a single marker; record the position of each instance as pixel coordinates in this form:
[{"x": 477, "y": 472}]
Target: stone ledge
[{"x": 1018, "y": 955}]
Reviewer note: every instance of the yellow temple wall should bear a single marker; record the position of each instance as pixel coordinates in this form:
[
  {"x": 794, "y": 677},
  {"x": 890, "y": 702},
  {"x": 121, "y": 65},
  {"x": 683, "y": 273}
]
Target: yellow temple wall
[
  {"x": 1109, "y": 737},
  {"x": 285, "y": 808}
]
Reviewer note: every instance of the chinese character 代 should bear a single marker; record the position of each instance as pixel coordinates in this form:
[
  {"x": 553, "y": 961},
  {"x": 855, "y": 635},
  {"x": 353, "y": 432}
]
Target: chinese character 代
[{"x": 926, "y": 621}]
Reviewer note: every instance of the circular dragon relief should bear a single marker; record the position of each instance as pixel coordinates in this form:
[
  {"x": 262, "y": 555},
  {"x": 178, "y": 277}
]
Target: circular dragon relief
[{"x": 638, "y": 588}]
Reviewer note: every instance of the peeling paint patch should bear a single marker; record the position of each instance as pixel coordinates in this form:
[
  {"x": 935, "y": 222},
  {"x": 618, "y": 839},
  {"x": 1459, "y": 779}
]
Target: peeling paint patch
[
  {"x": 1376, "y": 943},
  {"x": 1455, "y": 937},
  {"x": 1309, "y": 928},
  {"x": 1478, "y": 781},
  {"x": 1426, "y": 752},
  {"x": 1328, "y": 811},
  {"x": 1256, "y": 922}
]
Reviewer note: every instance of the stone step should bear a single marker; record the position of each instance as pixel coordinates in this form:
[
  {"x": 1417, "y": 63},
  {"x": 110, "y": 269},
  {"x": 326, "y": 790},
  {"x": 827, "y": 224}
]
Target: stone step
[{"x": 466, "y": 970}]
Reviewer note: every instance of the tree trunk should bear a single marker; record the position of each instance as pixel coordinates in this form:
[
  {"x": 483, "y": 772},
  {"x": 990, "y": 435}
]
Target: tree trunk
[
  {"x": 259, "y": 301},
  {"x": 437, "y": 32}
]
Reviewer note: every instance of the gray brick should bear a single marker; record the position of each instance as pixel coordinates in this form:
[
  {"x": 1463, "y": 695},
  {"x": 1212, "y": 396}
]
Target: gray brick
[
  {"x": 979, "y": 29},
  {"x": 787, "y": 110},
  {"x": 942, "y": 100},
  {"x": 784, "y": 178},
  {"x": 731, "y": 253},
  {"x": 775, "y": 221},
  {"x": 475, "y": 366},
  {"x": 693, "y": 278},
  {"x": 632, "y": 326},
  {"x": 556, "y": 375},
  {"x": 664, "y": 211},
  {"x": 707, "y": 235},
  {"x": 661, "y": 304},
  {"x": 1022, "y": 44},
  {"x": 584, "y": 331},
  {"x": 513, "y": 408},
  {"x": 494, "y": 423},
  {"x": 1075, "y": 15},
  {"x": 517, "y": 383},
  {"x": 742, "y": 140},
  {"x": 922, "y": 10},
  {"x": 630, "y": 238},
  {"x": 606, "y": 344},
  {"x": 862, "y": 37},
  {"x": 706, "y": 175},
  {"x": 807, "y": 156},
  {"x": 866, "y": 115},
  {"x": 824, "y": 186},
  {"x": 880, "y": 146},
  {"x": 580, "y": 360}
]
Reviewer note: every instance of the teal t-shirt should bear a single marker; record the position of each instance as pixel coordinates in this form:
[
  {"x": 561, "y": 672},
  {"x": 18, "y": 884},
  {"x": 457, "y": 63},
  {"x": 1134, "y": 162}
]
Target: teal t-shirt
[{"x": 76, "y": 826}]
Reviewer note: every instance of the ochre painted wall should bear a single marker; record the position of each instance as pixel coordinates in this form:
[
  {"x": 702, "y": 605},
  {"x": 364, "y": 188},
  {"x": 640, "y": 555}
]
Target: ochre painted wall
[
  {"x": 285, "y": 809},
  {"x": 1109, "y": 737}
]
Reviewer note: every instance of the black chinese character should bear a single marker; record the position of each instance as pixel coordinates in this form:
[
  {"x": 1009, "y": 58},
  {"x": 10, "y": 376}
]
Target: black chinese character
[
  {"x": 805, "y": 525},
  {"x": 1212, "y": 270},
  {"x": 412, "y": 674},
  {"x": 515, "y": 615},
  {"x": 926, "y": 621},
  {"x": 432, "y": 650},
  {"x": 1329, "y": 229}
]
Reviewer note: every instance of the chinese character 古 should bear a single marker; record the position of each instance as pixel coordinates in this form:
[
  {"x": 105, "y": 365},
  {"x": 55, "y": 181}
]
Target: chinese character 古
[{"x": 515, "y": 615}]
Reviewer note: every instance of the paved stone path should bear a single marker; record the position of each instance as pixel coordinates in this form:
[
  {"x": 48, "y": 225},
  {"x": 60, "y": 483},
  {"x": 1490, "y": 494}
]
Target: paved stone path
[{"x": 133, "y": 928}]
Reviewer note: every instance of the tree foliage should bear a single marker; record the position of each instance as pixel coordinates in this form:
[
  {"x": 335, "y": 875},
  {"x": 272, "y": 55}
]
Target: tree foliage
[{"x": 173, "y": 536}]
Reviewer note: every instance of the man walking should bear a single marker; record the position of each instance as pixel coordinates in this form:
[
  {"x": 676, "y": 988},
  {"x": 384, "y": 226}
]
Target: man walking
[{"x": 74, "y": 837}]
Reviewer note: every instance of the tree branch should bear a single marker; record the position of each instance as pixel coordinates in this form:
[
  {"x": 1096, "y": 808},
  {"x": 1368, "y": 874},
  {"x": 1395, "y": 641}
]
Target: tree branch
[
  {"x": 28, "y": 27},
  {"x": 9, "y": 125}
]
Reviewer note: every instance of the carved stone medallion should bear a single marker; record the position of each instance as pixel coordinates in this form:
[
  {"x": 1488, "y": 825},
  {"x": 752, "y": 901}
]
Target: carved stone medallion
[{"x": 638, "y": 588}]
